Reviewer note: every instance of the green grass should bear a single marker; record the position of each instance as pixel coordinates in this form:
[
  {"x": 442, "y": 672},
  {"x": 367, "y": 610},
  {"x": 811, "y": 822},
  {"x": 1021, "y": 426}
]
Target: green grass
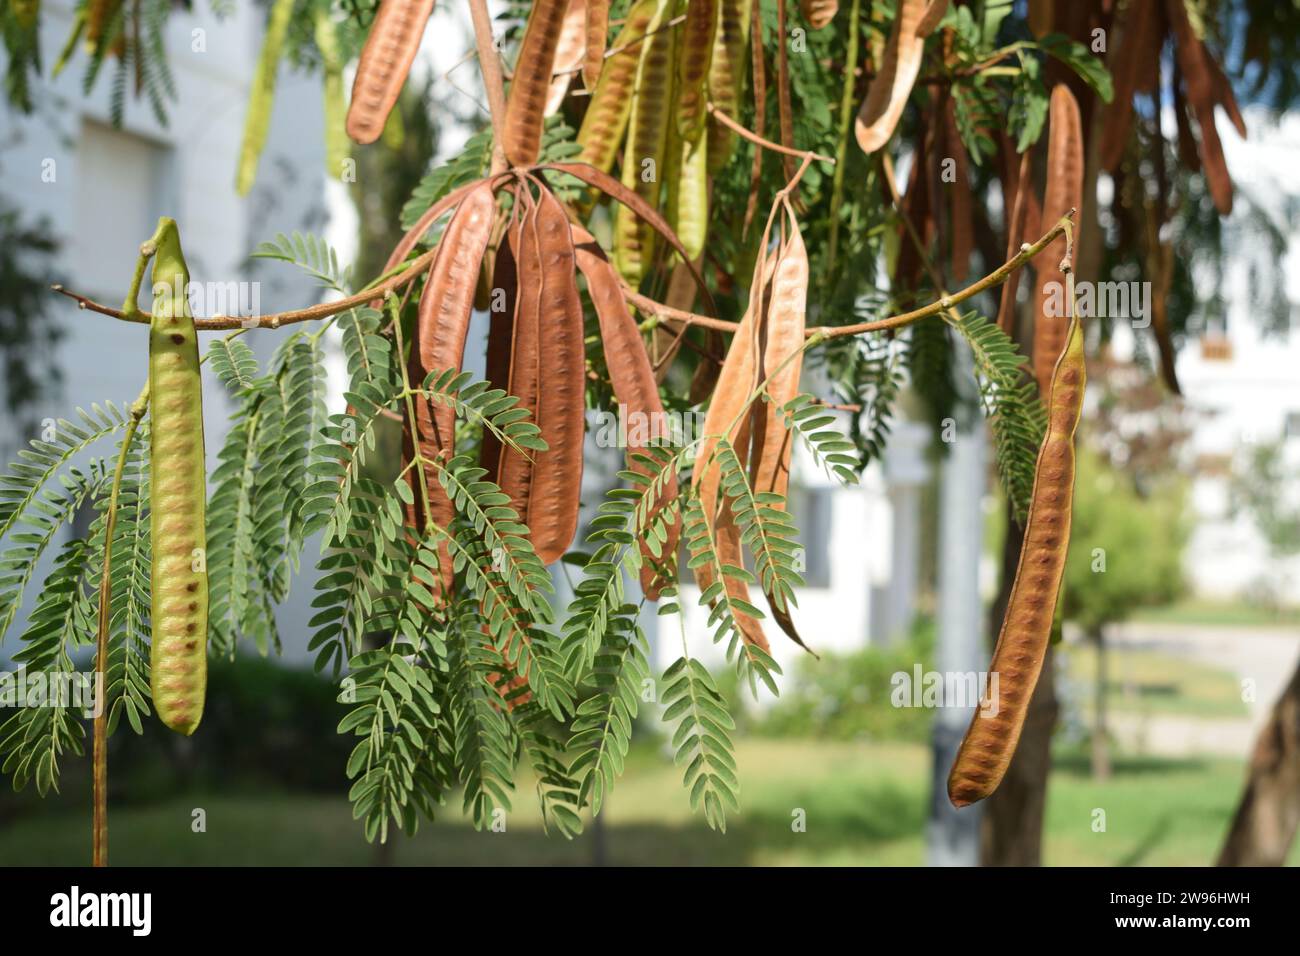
[
  {"x": 1207, "y": 613},
  {"x": 1140, "y": 681},
  {"x": 864, "y": 804}
]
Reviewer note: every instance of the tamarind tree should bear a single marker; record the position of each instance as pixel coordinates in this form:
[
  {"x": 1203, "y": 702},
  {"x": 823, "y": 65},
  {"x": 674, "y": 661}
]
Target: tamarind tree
[{"x": 677, "y": 203}]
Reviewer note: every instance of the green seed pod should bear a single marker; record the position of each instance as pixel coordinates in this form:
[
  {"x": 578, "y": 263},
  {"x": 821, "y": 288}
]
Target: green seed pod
[{"x": 178, "y": 493}]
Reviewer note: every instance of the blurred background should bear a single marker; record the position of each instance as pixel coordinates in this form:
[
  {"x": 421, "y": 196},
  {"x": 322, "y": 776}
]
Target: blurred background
[{"x": 1181, "y": 620}]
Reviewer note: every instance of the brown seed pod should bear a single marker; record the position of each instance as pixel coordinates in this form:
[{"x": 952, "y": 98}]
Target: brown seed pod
[
  {"x": 634, "y": 384},
  {"x": 1026, "y": 631},
  {"x": 887, "y": 95},
  {"x": 694, "y": 56},
  {"x": 782, "y": 340},
  {"x": 524, "y": 111},
  {"x": 557, "y": 475},
  {"x": 1016, "y": 190},
  {"x": 386, "y": 58},
  {"x": 502, "y": 302},
  {"x": 1137, "y": 48},
  {"x": 597, "y": 32},
  {"x": 1191, "y": 56},
  {"x": 1040, "y": 18},
  {"x": 617, "y": 191},
  {"x": 961, "y": 221},
  {"x": 1064, "y": 192},
  {"x": 516, "y": 467},
  {"x": 570, "y": 53},
  {"x": 611, "y": 103},
  {"x": 819, "y": 13}
]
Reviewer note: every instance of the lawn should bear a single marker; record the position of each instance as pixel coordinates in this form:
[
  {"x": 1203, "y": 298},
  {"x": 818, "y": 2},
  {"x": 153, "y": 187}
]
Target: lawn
[
  {"x": 1141, "y": 681},
  {"x": 864, "y": 804}
]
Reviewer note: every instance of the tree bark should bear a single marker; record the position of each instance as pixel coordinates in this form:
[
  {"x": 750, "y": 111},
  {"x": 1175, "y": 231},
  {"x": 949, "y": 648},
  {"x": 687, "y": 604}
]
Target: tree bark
[
  {"x": 1266, "y": 819},
  {"x": 1100, "y": 741},
  {"x": 1013, "y": 816}
]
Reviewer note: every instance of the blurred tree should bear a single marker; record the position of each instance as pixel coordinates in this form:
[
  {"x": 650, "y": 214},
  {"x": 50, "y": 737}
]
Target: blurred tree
[
  {"x": 1125, "y": 553},
  {"x": 27, "y": 336}
]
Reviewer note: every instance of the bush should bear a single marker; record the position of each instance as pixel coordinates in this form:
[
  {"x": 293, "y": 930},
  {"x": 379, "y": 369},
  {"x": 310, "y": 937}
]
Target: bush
[{"x": 847, "y": 696}]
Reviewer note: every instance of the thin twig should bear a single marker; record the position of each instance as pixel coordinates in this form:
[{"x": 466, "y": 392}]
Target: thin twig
[
  {"x": 659, "y": 312},
  {"x": 99, "y": 772},
  {"x": 757, "y": 140}
]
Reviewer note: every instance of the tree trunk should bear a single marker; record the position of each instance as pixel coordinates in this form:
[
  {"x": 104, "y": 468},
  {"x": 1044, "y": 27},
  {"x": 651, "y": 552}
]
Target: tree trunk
[
  {"x": 1266, "y": 819},
  {"x": 1013, "y": 815},
  {"x": 1100, "y": 742}
]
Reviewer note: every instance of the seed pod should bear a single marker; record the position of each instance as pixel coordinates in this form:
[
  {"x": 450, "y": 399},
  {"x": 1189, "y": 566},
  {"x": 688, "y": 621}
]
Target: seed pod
[
  {"x": 887, "y": 95},
  {"x": 607, "y": 114},
  {"x": 689, "y": 192},
  {"x": 557, "y": 475},
  {"x": 533, "y": 69},
  {"x": 634, "y": 384},
  {"x": 959, "y": 197},
  {"x": 262, "y": 94},
  {"x": 694, "y": 55},
  {"x": 1137, "y": 48},
  {"x": 1027, "y": 627},
  {"x": 1016, "y": 191},
  {"x": 1191, "y": 57},
  {"x": 503, "y": 299},
  {"x": 442, "y": 325},
  {"x": 597, "y": 32},
  {"x": 782, "y": 350},
  {"x": 569, "y": 53},
  {"x": 726, "y": 74},
  {"x": 386, "y": 58},
  {"x": 647, "y": 140},
  {"x": 1064, "y": 192},
  {"x": 516, "y": 468},
  {"x": 1040, "y": 18},
  {"x": 177, "y": 496},
  {"x": 819, "y": 13}
]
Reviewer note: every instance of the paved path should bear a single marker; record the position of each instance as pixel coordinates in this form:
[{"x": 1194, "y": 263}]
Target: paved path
[{"x": 1266, "y": 656}]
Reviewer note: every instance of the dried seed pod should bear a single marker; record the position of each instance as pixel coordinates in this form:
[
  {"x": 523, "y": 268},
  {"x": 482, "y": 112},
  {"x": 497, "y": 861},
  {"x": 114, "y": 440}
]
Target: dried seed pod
[
  {"x": 819, "y": 13},
  {"x": 557, "y": 475},
  {"x": 386, "y": 58},
  {"x": 177, "y": 495},
  {"x": 634, "y": 384},
  {"x": 503, "y": 299},
  {"x": 887, "y": 95},
  {"x": 597, "y": 32},
  {"x": 1064, "y": 192},
  {"x": 647, "y": 141},
  {"x": 1026, "y": 631},
  {"x": 441, "y": 329},
  {"x": 782, "y": 336},
  {"x": 570, "y": 53},
  {"x": 1014, "y": 198},
  {"x": 1137, "y": 48},
  {"x": 1191, "y": 57},
  {"x": 523, "y": 128},
  {"x": 516, "y": 467},
  {"x": 611, "y": 103},
  {"x": 1040, "y": 18},
  {"x": 726, "y": 74},
  {"x": 961, "y": 221},
  {"x": 694, "y": 56}
]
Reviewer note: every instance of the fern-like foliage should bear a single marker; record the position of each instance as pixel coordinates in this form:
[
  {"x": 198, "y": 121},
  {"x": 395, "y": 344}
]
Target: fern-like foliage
[
  {"x": 872, "y": 377},
  {"x": 311, "y": 254},
  {"x": 1009, "y": 398},
  {"x": 808, "y": 418},
  {"x": 602, "y": 727},
  {"x": 766, "y": 528},
  {"x": 234, "y": 364},
  {"x": 752, "y": 662},
  {"x": 702, "y": 739},
  {"x": 468, "y": 165}
]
